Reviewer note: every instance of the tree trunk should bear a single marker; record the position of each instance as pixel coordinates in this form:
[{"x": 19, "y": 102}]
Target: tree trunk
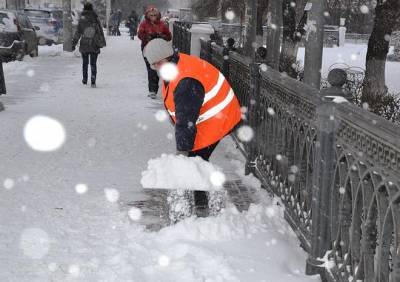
[
  {"x": 274, "y": 25},
  {"x": 374, "y": 88},
  {"x": 290, "y": 41},
  {"x": 262, "y": 6}
]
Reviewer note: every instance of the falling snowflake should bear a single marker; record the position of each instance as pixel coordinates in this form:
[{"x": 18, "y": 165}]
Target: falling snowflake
[
  {"x": 81, "y": 188},
  {"x": 388, "y": 37},
  {"x": 30, "y": 73},
  {"x": 217, "y": 178},
  {"x": 25, "y": 178},
  {"x": 169, "y": 71},
  {"x": 364, "y": 9},
  {"x": 278, "y": 157},
  {"x": 245, "y": 133},
  {"x": 74, "y": 270},
  {"x": 294, "y": 169},
  {"x": 263, "y": 67},
  {"x": 161, "y": 116},
  {"x": 112, "y": 195},
  {"x": 342, "y": 190},
  {"x": 170, "y": 136},
  {"x": 44, "y": 134},
  {"x": 230, "y": 15},
  {"x": 135, "y": 214},
  {"x": 34, "y": 243},
  {"x": 8, "y": 183},
  {"x": 271, "y": 111},
  {"x": 270, "y": 212},
  {"x": 163, "y": 260}
]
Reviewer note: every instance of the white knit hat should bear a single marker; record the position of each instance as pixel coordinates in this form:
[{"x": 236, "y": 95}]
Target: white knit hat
[{"x": 157, "y": 50}]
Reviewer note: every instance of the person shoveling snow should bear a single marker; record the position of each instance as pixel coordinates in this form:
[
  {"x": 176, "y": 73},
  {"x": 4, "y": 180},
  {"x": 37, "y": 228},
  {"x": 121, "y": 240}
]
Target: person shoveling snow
[
  {"x": 193, "y": 175},
  {"x": 199, "y": 100}
]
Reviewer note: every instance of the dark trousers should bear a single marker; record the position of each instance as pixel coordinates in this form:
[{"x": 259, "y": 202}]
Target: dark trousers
[
  {"x": 152, "y": 76},
  {"x": 92, "y": 58},
  {"x": 200, "y": 197},
  {"x": 204, "y": 153}
]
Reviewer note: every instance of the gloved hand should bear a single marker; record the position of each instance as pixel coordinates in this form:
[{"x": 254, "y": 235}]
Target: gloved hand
[
  {"x": 73, "y": 48},
  {"x": 182, "y": 153}
]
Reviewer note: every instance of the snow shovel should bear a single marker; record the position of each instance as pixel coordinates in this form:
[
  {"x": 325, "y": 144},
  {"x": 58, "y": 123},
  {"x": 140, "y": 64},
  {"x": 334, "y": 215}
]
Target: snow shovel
[{"x": 203, "y": 195}]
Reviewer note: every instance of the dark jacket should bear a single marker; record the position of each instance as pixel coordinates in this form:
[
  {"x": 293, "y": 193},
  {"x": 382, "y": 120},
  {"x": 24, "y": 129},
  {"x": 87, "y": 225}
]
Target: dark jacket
[
  {"x": 149, "y": 30},
  {"x": 132, "y": 21},
  {"x": 188, "y": 99},
  {"x": 90, "y": 33}
]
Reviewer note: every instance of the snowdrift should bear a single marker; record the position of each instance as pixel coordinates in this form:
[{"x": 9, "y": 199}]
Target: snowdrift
[{"x": 180, "y": 172}]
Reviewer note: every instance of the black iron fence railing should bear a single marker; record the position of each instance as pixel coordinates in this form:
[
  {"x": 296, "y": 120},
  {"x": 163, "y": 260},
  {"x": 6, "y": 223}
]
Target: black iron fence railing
[
  {"x": 182, "y": 36},
  {"x": 336, "y": 168}
]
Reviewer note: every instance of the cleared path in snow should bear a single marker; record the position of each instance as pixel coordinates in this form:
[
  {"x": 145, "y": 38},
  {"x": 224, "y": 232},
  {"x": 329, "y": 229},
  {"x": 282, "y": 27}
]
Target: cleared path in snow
[{"x": 50, "y": 232}]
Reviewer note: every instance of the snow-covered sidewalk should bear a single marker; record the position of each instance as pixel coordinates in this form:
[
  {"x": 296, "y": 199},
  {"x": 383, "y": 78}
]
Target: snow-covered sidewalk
[{"x": 66, "y": 215}]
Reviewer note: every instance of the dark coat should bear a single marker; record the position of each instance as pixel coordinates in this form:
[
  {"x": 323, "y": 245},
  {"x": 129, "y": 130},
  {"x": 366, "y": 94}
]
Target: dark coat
[
  {"x": 188, "y": 99},
  {"x": 90, "y": 33}
]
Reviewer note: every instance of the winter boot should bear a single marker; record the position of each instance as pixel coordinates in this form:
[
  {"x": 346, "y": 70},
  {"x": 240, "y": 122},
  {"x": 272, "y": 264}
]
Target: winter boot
[
  {"x": 180, "y": 205},
  {"x": 216, "y": 201},
  {"x": 152, "y": 95},
  {"x": 84, "y": 82}
]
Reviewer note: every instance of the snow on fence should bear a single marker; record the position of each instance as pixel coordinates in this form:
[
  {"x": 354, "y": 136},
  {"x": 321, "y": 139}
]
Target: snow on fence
[{"x": 336, "y": 168}]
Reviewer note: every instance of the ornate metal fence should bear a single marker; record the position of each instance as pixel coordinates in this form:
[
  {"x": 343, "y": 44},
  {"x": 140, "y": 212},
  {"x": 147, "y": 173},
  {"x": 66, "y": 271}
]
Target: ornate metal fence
[
  {"x": 182, "y": 36},
  {"x": 336, "y": 168}
]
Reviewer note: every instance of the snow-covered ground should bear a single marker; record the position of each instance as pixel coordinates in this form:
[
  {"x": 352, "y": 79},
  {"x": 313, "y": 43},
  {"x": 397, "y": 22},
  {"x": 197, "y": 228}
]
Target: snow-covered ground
[
  {"x": 354, "y": 55},
  {"x": 65, "y": 214}
]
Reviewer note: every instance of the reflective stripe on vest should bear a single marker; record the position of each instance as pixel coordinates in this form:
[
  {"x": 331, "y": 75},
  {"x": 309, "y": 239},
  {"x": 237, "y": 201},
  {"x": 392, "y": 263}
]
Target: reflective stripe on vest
[
  {"x": 214, "y": 110},
  {"x": 220, "y": 111},
  {"x": 214, "y": 91}
]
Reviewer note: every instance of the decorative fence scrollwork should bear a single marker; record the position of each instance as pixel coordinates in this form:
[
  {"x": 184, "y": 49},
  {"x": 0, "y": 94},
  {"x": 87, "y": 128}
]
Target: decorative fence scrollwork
[
  {"x": 336, "y": 168},
  {"x": 182, "y": 36}
]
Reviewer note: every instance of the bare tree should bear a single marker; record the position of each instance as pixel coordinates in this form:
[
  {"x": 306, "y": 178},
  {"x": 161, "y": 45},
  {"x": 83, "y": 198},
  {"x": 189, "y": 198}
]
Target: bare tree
[
  {"x": 387, "y": 14},
  {"x": 203, "y": 9},
  {"x": 293, "y": 23}
]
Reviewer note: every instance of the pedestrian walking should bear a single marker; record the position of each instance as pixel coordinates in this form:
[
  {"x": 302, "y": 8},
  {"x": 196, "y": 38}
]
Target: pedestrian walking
[
  {"x": 151, "y": 28},
  {"x": 91, "y": 37},
  {"x": 132, "y": 24},
  {"x": 199, "y": 100},
  {"x": 118, "y": 22},
  {"x": 114, "y": 18}
]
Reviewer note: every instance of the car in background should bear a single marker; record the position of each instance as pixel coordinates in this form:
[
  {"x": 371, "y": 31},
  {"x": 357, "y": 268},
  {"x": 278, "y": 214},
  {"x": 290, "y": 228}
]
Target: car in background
[
  {"x": 50, "y": 24},
  {"x": 28, "y": 35},
  {"x": 12, "y": 45}
]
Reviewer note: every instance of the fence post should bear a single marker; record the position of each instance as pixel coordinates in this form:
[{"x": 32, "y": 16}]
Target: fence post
[
  {"x": 196, "y": 32},
  {"x": 253, "y": 116},
  {"x": 323, "y": 177}
]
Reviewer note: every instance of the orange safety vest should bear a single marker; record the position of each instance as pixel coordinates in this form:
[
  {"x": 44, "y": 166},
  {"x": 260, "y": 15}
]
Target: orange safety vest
[{"x": 220, "y": 112}]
